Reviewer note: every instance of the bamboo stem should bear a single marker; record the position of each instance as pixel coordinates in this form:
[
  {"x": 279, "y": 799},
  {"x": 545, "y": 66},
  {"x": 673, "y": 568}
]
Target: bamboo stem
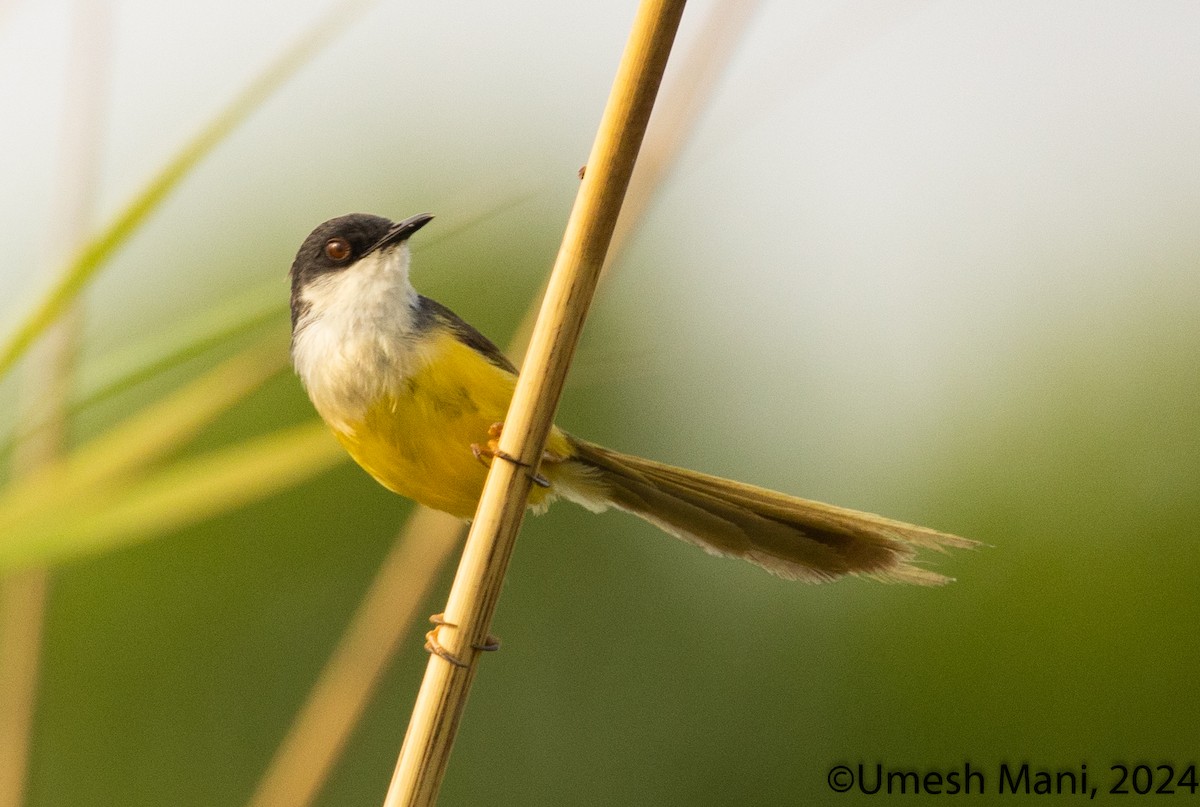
[{"x": 440, "y": 702}]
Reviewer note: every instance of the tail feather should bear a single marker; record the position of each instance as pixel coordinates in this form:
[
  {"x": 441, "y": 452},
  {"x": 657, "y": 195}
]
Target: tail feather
[{"x": 791, "y": 537}]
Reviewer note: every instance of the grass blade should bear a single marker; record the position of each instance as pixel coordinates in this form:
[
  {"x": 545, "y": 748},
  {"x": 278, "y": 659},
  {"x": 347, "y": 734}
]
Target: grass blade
[
  {"x": 162, "y": 354},
  {"x": 185, "y": 493},
  {"x": 84, "y": 265},
  {"x": 141, "y": 439},
  {"x": 210, "y": 328}
]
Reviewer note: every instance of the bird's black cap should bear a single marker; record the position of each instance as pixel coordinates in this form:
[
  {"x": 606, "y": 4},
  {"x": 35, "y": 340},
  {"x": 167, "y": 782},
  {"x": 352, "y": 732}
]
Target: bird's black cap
[
  {"x": 361, "y": 233},
  {"x": 339, "y": 243}
]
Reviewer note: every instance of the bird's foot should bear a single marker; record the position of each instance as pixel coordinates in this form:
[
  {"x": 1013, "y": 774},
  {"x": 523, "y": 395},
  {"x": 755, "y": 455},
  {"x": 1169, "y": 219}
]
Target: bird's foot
[
  {"x": 438, "y": 649},
  {"x": 485, "y": 452}
]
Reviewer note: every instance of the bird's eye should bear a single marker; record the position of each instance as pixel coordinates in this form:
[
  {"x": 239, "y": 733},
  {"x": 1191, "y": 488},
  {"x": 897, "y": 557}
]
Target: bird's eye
[{"x": 337, "y": 249}]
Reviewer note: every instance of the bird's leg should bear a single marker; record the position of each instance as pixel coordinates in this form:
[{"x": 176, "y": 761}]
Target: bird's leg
[
  {"x": 484, "y": 452},
  {"x": 434, "y": 646}
]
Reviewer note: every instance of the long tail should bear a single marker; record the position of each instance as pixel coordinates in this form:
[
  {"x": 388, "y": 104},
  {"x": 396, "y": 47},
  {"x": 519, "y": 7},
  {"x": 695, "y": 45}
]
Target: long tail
[{"x": 793, "y": 538}]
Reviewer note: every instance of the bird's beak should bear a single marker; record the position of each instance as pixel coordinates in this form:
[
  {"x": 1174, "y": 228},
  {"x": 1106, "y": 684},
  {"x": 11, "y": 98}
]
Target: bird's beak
[{"x": 401, "y": 231}]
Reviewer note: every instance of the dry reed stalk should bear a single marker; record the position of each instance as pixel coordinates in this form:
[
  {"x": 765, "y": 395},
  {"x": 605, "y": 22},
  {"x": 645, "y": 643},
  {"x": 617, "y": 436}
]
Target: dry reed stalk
[
  {"x": 322, "y": 727},
  {"x": 309, "y": 751},
  {"x": 438, "y": 709},
  {"x": 677, "y": 113},
  {"x": 22, "y": 612},
  {"x": 23, "y": 594}
]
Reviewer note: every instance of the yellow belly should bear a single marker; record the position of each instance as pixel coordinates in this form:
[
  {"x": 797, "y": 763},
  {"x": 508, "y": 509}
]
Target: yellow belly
[{"x": 416, "y": 441}]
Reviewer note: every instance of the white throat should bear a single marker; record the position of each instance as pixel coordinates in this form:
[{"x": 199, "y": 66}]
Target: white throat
[{"x": 355, "y": 337}]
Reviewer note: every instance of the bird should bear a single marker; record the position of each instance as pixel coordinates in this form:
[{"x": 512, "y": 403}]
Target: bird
[{"x": 417, "y": 397}]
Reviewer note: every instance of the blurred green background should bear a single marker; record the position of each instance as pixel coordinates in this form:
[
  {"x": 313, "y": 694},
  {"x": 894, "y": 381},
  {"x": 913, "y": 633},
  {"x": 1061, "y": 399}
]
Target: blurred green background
[{"x": 933, "y": 260}]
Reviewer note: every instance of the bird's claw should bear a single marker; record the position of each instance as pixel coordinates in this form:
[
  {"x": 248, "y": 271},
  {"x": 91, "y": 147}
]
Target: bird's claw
[
  {"x": 438, "y": 649},
  {"x": 486, "y": 452}
]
